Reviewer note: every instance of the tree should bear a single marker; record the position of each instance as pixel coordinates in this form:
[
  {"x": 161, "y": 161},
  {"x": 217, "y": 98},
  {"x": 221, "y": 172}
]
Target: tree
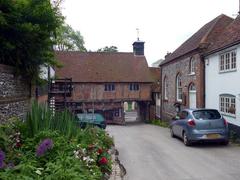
[
  {"x": 68, "y": 39},
  {"x": 27, "y": 28},
  {"x": 108, "y": 49}
]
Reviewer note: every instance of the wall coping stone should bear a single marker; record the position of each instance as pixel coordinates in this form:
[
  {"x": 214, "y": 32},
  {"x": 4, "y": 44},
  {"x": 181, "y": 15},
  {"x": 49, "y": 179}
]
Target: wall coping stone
[{"x": 6, "y": 69}]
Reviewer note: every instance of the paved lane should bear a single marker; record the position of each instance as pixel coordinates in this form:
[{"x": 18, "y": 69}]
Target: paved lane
[{"x": 149, "y": 153}]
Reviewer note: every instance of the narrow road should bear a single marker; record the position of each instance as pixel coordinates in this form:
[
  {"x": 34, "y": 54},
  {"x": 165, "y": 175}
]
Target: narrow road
[{"x": 149, "y": 153}]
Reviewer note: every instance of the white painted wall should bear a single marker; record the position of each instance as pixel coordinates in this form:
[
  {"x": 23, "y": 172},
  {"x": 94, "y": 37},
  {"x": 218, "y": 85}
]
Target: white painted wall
[
  {"x": 44, "y": 72},
  {"x": 221, "y": 83}
]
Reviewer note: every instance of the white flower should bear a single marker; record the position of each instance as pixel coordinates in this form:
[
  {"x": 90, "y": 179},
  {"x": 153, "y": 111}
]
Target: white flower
[{"x": 38, "y": 172}]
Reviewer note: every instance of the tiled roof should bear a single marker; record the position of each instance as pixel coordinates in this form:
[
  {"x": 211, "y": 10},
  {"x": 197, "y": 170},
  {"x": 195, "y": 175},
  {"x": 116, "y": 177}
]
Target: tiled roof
[
  {"x": 202, "y": 38},
  {"x": 103, "y": 67},
  {"x": 228, "y": 37},
  {"x": 156, "y": 75}
]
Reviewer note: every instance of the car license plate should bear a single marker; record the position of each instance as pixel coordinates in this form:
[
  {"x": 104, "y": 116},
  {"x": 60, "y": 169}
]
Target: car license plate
[{"x": 213, "y": 136}]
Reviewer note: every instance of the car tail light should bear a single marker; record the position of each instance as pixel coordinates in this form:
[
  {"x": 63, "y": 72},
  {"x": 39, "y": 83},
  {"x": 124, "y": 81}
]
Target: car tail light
[
  {"x": 225, "y": 122},
  {"x": 191, "y": 122}
]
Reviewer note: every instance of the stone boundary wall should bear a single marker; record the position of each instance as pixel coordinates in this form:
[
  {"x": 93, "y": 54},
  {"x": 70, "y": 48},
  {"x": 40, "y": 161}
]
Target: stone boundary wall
[{"x": 15, "y": 94}]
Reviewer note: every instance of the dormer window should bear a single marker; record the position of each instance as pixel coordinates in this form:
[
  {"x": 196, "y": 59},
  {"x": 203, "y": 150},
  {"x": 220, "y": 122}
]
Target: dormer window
[{"x": 192, "y": 66}]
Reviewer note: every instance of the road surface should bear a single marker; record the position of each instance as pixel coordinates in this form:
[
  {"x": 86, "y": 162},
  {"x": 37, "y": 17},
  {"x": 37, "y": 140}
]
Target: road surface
[{"x": 149, "y": 153}]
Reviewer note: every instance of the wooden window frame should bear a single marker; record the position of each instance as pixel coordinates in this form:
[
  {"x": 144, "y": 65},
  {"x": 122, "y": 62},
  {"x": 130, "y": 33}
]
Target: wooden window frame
[
  {"x": 227, "y": 101},
  {"x": 228, "y": 61}
]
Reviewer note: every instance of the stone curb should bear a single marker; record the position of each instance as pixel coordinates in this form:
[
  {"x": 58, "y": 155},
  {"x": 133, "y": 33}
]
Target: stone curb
[{"x": 118, "y": 170}]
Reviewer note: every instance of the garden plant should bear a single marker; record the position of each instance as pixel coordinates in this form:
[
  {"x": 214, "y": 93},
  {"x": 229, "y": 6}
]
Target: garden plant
[{"x": 52, "y": 146}]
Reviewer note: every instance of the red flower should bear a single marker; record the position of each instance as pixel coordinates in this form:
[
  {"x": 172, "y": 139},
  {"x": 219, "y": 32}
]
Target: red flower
[
  {"x": 18, "y": 144},
  {"x": 103, "y": 161},
  {"x": 100, "y": 151}
]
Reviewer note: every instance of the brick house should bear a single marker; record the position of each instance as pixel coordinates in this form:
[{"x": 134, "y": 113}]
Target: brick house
[
  {"x": 183, "y": 70},
  {"x": 102, "y": 82}
]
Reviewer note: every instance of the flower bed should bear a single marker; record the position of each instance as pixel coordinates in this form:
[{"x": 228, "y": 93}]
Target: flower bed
[{"x": 31, "y": 150}]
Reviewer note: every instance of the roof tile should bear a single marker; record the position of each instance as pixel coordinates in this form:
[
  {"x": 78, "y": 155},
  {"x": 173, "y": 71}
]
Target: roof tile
[
  {"x": 202, "y": 38},
  {"x": 103, "y": 67}
]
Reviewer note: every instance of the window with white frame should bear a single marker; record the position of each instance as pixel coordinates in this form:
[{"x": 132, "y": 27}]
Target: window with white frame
[
  {"x": 228, "y": 61},
  {"x": 228, "y": 104},
  {"x": 192, "y": 66},
  {"x": 179, "y": 87},
  {"x": 165, "y": 88}
]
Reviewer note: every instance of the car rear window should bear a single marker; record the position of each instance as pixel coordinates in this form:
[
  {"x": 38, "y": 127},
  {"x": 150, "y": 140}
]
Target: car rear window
[{"x": 206, "y": 114}]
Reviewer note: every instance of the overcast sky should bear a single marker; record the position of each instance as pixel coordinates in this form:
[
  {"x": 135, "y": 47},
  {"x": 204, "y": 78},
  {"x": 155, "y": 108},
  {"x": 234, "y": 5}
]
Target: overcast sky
[{"x": 163, "y": 24}]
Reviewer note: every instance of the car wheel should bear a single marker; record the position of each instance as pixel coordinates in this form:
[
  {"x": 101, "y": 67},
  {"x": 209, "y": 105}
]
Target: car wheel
[
  {"x": 186, "y": 140},
  {"x": 172, "y": 133}
]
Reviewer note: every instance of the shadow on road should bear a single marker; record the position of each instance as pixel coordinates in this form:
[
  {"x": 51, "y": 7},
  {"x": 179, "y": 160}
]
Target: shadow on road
[
  {"x": 134, "y": 123},
  {"x": 204, "y": 144}
]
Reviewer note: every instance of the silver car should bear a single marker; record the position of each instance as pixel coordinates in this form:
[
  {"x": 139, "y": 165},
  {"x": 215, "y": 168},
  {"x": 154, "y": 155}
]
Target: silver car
[{"x": 193, "y": 125}]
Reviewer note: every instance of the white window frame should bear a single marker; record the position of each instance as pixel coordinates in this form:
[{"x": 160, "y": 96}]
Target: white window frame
[
  {"x": 225, "y": 102},
  {"x": 192, "y": 66},
  {"x": 179, "y": 93},
  {"x": 165, "y": 88},
  {"x": 228, "y": 61}
]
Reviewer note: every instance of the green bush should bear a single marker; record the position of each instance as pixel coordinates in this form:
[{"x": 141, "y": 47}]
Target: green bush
[
  {"x": 234, "y": 137},
  {"x": 159, "y": 123},
  {"x": 81, "y": 154}
]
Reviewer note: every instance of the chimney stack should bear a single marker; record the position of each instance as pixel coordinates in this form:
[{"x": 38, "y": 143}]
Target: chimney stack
[{"x": 138, "y": 48}]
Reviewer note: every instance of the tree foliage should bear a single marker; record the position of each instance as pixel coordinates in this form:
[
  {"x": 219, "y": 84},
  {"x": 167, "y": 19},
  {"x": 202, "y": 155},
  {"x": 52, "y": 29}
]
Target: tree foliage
[
  {"x": 108, "y": 49},
  {"x": 68, "y": 39},
  {"x": 27, "y": 28}
]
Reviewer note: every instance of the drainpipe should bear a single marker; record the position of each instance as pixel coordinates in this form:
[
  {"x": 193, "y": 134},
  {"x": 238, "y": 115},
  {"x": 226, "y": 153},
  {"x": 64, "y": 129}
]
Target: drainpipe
[
  {"x": 204, "y": 80},
  {"x": 161, "y": 100}
]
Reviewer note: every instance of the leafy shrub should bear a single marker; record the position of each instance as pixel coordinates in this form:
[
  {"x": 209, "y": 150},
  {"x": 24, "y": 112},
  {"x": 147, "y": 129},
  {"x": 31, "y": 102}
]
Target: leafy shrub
[
  {"x": 159, "y": 123},
  {"x": 64, "y": 154},
  {"x": 234, "y": 137}
]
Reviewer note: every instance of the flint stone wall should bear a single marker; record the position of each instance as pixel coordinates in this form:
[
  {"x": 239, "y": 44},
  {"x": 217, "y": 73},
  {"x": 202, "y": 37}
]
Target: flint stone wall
[{"x": 15, "y": 94}]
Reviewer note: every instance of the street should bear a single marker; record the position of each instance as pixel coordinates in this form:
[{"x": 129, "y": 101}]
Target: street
[{"x": 149, "y": 153}]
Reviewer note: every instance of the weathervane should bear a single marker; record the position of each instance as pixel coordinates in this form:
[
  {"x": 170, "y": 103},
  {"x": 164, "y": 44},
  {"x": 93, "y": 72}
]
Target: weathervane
[{"x": 138, "y": 32}]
